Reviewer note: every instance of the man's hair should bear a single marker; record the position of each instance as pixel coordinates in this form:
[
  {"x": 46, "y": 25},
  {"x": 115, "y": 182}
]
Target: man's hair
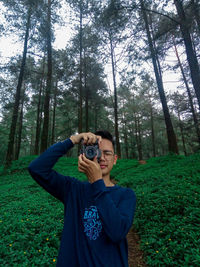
[{"x": 106, "y": 135}]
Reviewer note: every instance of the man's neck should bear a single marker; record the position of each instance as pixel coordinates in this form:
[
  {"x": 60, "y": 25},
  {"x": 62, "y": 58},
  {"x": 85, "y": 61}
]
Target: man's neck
[{"x": 107, "y": 181}]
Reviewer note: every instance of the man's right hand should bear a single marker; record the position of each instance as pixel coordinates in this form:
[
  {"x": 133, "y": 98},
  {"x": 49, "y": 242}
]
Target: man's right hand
[{"x": 88, "y": 138}]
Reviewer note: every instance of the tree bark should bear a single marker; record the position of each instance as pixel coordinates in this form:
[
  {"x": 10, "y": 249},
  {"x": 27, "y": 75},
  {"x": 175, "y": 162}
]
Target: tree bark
[
  {"x": 96, "y": 111},
  {"x": 191, "y": 57},
  {"x": 80, "y": 110},
  {"x": 44, "y": 137},
  {"x": 172, "y": 143},
  {"x": 86, "y": 96},
  {"x": 124, "y": 122},
  {"x": 19, "y": 132},
  {"x": 54, "y": 114},
  {"x": 86, "y": 110},
  {"x": 139, "y": 140},
  {"x": 196, "y": 124},
  {"x": 138, "y": 137},
  {"x": 182, "y": 135},
  {"x": 115, "y": 100},
  {"x": 32, "y": 140},
  {"x": 196, "y": 11},
  {"x": 9, "y": 155},
  {"x": 132, "y": 142},
  {"x": 152, "y": 132},
  {"x": 20, "y": 126},
  {"x": 39, "y": 112},
  {"x": 126, "y": 140}
]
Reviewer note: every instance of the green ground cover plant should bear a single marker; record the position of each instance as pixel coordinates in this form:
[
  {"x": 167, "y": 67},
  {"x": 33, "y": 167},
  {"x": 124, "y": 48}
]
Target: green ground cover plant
[
  {"x": 167, "y": 216},
  {"x": 168, "y": 210}
]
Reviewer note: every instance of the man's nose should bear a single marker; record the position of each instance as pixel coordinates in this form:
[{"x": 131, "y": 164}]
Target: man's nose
[{"x": 102, "y": 156}]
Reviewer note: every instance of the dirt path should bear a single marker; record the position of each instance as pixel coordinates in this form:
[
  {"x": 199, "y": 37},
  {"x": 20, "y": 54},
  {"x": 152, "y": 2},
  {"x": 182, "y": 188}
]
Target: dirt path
[{"x": 135, "y": 254}]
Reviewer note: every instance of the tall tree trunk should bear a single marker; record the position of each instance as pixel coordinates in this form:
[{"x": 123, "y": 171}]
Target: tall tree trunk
[
  {"x": 19, "y": 132},
  {"x": 195, "y": 8},
  {"x": 9, "y": 155},
  {"x": 172, "y": 143},
  {"x": 152, "y": 132},
  {"x": 86, "y": 109},
  {"x": 196, "y": 124},
  {"x": 80, "y": 110},
  {"x": 132, "y": 141},
  {"x": 20, "y": 125},
  {"x": 39, "y": 112},
  {"x": 86, "y": 96},
  {"x": 54, "y": 114},
  {"x": 182, "y": 135},
  {"x": 191, "y": 57},
  {"x": 126, "y": 139},
  {"x": 32, "y": 140},
  {"x": 115, "y": 100},
  {"x": 124, "y": 123},
  {"x": 136, "y": 134},
  {"x": 138, "y": 137},
  {"x": 96, "y": 110},
  {"x": 139, "y": 140},
  {"x": 44, "y": 137}
]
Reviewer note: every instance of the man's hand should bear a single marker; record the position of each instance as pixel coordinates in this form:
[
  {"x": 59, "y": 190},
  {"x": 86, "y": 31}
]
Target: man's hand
[
  {"x": 90, "y": 168},
  {"x": 88, "y": 138}
]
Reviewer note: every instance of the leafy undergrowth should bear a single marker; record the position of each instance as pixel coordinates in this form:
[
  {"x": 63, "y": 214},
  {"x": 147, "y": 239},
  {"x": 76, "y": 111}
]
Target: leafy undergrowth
[
  {"x": 168, "y": 209},
  {"x": 167, "y": 216}
]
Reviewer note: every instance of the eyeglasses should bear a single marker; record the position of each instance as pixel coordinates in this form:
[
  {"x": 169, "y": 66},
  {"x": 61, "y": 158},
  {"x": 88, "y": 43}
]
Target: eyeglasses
[{"x": 107, "y": 154}]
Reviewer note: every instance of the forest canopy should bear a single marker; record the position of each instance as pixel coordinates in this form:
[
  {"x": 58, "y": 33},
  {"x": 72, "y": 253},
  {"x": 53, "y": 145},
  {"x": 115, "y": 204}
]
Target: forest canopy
[{"x": 48, "y": 94}]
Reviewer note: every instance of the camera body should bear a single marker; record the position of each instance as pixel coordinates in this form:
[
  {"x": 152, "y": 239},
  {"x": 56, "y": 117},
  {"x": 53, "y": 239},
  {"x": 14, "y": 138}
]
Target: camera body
[{"x": 91, "y": 151}]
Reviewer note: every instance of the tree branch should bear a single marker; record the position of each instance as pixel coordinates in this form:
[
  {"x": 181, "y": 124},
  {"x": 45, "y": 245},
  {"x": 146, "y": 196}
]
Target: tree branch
[
  {"x": 153, "y": 11},
  {"x": 164, "y": 15}
]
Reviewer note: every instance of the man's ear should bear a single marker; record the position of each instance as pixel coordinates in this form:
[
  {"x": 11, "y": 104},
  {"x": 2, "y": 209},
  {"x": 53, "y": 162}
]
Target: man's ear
[{"x": 115, "y": 159}]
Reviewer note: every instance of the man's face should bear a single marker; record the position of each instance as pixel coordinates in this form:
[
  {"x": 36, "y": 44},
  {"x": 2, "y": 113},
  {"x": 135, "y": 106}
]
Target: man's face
[{"x": 108, "y": 158}]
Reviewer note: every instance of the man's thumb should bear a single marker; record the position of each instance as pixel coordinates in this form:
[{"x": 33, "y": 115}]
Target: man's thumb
[{"x": 95, "y": 159}]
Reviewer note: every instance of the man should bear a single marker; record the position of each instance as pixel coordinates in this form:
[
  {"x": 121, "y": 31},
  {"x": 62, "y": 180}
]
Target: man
[{"x": 98, "y": 214}]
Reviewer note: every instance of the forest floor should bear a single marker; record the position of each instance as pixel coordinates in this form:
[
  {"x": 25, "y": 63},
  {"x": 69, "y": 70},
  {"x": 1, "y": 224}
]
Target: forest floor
[{"x": 135, "y": 258}]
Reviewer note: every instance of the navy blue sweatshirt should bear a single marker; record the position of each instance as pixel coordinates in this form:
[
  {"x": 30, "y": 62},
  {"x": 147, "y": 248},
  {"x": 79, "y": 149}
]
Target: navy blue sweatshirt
[{"x": 96, "y": 218}]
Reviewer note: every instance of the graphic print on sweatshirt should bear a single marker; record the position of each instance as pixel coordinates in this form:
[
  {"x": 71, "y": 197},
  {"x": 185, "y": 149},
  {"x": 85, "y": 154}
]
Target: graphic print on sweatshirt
[{"x": 92, "y": 223}]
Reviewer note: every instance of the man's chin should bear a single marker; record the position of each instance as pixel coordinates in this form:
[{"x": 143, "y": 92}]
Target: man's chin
[{"x": 105, "y": 172}]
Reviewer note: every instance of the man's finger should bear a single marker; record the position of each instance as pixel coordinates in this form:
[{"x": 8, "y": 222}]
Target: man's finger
[
  {"x": 95, "y": 159},
  {"x": 99, "y": 138},
  {"x": 80, "y": 158},
  {"x": 81, "y": 170},
  {"x": 82, "y": 162},
  {"x": 90, "y": 138},
  {"x": 86, "y": 160}
]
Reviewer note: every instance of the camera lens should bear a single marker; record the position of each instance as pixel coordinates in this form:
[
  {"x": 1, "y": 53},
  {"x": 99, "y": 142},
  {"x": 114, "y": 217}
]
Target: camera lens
[{"x": 90, "y": 152}]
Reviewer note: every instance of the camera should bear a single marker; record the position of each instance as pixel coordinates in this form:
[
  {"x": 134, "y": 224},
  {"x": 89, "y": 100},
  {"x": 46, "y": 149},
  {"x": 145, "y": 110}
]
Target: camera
[{"x": 91, "y": 151}]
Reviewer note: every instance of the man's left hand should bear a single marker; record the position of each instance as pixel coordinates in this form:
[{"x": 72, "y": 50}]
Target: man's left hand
[{"x": 90, "y": 168}]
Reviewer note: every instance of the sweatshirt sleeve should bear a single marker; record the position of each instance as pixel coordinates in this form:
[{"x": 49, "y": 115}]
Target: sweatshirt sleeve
[
  {"x": 41, "y": 170},
  {"x": 116, "y": 221}
]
